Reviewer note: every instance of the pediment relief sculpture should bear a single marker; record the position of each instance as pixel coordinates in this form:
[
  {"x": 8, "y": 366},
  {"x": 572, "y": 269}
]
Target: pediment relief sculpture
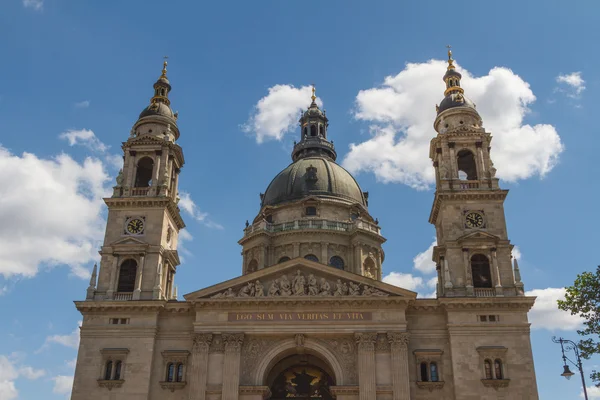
[{"x": 300, "y": 285}]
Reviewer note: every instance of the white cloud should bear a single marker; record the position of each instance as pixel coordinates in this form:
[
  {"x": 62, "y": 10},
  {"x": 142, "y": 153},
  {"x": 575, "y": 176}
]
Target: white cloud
[
  {"x": 9, "y": 372},
  {"x": 37, "y": 5},
  {"x": 82, "y": 104},
  {"x": 401, "y": 112},
  {"x": 84, "y": 137},
  {"x": 412, "y": 282},
  {"x": 545, "y": 313},
  {"x": 71, "y": 340},
  {"x": 593, "y": 393},
  {"x": 187, "y": 205},
  {"x": 62, "y": 385},
  {"x": 575, "y": 83},
  {"x": 423, "y": 261},
  {"x": 51, "y": 213},
  {"x": 278, "y": 112}
]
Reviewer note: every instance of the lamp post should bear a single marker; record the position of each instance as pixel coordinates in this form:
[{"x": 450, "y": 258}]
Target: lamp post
[{"x": 570, "y": 345}]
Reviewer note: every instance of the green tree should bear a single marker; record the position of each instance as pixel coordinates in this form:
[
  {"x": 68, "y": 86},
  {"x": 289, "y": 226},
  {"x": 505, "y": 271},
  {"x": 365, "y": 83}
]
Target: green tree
[{"x": 583, "y": 299}]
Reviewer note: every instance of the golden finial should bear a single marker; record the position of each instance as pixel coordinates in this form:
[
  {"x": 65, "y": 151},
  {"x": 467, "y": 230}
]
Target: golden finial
[
  {"x": 450, "y": 59},
  {"x": 313, "y": 97},
  {"x": 164, "y": 70}
]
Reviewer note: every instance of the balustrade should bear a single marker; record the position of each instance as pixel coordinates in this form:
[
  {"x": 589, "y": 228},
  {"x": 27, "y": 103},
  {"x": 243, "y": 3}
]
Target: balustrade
[
  {"x": 306, "y": 224},
  {"x": 140, "y": 191},
  {"x": 485, "y": 292},
  {"x": 123, "y": 296}
]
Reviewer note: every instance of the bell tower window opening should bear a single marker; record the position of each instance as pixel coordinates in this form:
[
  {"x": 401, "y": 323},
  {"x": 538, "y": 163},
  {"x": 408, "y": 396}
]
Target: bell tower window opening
[
  {"x": 305, "y": 131},
  {"x": 467, "y": 165},
  {"x": 336, "y": 262},
  {"x": 480, "y": 268},
  {"x": 313, "y": 130},
  {"x": 311, "y": 257},
  {"x": 127, "y": 274},
  {"x": 321, "y": 130},
  {"x": 143, "y": 175}
]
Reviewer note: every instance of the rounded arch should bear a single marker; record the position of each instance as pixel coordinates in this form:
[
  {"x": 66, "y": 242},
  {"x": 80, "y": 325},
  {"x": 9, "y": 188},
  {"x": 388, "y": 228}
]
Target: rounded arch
[
  {"x": 252, "y": 266},
  {"x": 311, "y": 257},
  {"x": 321, "y": 130},
  {"x": 337, "y": 262},
  {"x": 480, "y": 271},
  {"x": 283, "y": 259},
  {"x": 143, "y": 174},
  {"x": 466, "y": 164},
  {"x": 287, "y": 348},
  {"x": 370, "y": 268},
  {"x": 127, "y": 273}
]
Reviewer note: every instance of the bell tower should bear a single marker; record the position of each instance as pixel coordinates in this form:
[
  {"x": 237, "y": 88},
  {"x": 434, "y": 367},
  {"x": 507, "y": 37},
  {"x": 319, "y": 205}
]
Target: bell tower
[
  {"x": 473, "y": 254},
  {"x": 139, "y": 255}
]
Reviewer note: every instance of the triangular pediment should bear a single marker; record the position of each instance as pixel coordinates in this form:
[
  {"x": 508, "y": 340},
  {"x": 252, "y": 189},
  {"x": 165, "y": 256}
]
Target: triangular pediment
[
  {"x": 299, "y": 278},
  {"x": 478, "y": 236},
  {"x": 129, "y": 241}
]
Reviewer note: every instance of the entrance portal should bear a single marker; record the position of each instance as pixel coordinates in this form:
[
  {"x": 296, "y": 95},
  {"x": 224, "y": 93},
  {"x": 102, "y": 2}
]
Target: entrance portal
[{"x": 301, "y": 377}]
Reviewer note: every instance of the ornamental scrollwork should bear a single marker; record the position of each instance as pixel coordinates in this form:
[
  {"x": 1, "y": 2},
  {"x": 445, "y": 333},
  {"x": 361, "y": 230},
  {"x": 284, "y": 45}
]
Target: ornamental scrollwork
[
  {"x": 233, "y": 341},
  {"x": 398, "y": 340},
  {"x": 366, "y": 340},
  {"x": 201, "y": 342}
]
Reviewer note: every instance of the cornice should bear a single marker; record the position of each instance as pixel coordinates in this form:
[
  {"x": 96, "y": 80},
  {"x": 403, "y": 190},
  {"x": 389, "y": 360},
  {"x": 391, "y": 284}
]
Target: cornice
[
  {"x": 147, "y": 140},
  {"x": 464, "y": 195},
  {"x": 148, "y": 202},
  {"x": 523, "y": 303},
  {"x": 267, "y": 303},
  {"x": 300, "y": 232},
  {"x": 154, "y": 306}
]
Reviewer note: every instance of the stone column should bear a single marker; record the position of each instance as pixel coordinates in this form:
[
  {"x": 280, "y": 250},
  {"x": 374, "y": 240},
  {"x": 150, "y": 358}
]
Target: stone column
[
  {"x": 378, "y": 260},
  {"x": 324, "y": 253},
  {"x": 357, "y": 259},
  {"x": 199, "y": 366},
  {"x": 479, "y": 161},
  {"x": 453, "y": 164},
  {"x": 496, "y": 272},
  {"x": 113, "y": 277},
  {"x": 296, "y": 250},
  {"x": 468, "y": 275},
  {"x": 157, "y": 165},
  {"x": 231, "y": 365},
  {"x": 399, "y": 366},
  {"x": 176, "y": 184},
  {"x": 130, "y": 181},
  {"x": 138, "y": 279},
  {"x": 157, "y": 290},
  {"x": 366, "y": 365}
]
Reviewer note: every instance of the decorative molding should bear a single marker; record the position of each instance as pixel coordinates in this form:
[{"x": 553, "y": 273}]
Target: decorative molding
[
  {"x": 431, "y": 386},
  {"x": 110, "y": 384},
  {"x": 366, "y": 340},
  {"x": 172, "y": 386},
  {"x": 344, "y": 390},
  {"x": 217, "y": 345},
  {"x": 107, "y": 352},
  {"x": 233, "y": 341},
  {"x": 382, "y": 343},
  {"x": 263, "y": 391},
  {"x": 201, "y": 342},
  {"x": 175, "y": 356},
  {"x": 495, "y": 383},
  {"x": 398, "y": 340}
]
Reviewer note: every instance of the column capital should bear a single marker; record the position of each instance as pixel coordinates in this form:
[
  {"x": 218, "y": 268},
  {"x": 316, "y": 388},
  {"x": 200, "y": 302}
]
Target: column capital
[
  {"x": 366, "y": 340},
  {"x": 398, "y": 339},
  {"x": 201, "y": 342},
  {"x": 233, "y": 341}
]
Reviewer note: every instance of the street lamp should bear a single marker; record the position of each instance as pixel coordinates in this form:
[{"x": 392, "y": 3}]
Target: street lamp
[{"x": 567, "y": 373}]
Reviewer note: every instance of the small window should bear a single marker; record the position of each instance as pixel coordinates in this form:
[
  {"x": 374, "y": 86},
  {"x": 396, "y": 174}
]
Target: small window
[
  {"x": 305, "y": 131},
  {"x": 179, "y": 372},
  {"x": 424, "y": 377},
  {"x": 492, "y": 318},
  {"x": 311, "y": 211},
  {"x": 354, "y": 216},
  {"x": 483, "y": 318},
  {"x": 313, "y": 130},
  {"x": 108, "y": 371},
  {"x": 170, "y": 372},
  {"x": 283, "y": 259},
  {"x": 433, "y": 372},
  {"x": 114, "y": 321},
  {"x": 269, "y": 219},
  {"x": 336, "y": 262},
  {"x": 498, "y": 369},
  {"x": 117, "y": 370},
  {"x": 321, "y": 130},
  {"x": 311, "y": 257},
  {"x": 488, "y": 369}
]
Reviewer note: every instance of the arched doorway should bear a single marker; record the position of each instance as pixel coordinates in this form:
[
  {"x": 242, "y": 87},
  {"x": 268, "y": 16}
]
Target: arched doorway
[{"x": 301, "y": 376}]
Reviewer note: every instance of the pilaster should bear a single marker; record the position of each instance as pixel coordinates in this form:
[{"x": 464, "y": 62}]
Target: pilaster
[
  {"x": 366, "y": 365},
  {"x": 199, "y": 366},
  {"x": 399, "y": 365},
  {"x": 231, "y": 365}
]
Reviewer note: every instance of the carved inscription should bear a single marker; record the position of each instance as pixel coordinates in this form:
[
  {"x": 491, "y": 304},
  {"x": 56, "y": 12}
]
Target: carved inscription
[{"x": 299, "y": 316}]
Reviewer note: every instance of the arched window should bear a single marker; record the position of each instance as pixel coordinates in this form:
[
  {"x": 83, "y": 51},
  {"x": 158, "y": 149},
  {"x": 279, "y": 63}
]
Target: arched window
[
  {"x": 127, "y": 274},
  {"x": 143, "y": 175},
  {"x": 466, "y": 164},
  {"x": 305, "y": 131},
  {"x": 180, "y": 372},
  {"x": 369, "y": 268},
  {"x": 480, "y": 269},
  {"x": 252, "y": 266},
  {"x": 498, "y": 369},
  {"x": 424, "y": 376},
  {"x": 170, "y": 372},
  {"x": 117, "y": 370},
  {"x": 108, "y": 371},
  {"x": 313, "y": 130},
  {"x": 311, "y": 211},
  {"x": 311, "y": 257},
  {"x": 283, "y": 259},
  {"x": 321, "y": 130},
  {"x": 336, "y": 262},
  {"x": 488, "y": 369},
  {"x": 433, "y": 372}
]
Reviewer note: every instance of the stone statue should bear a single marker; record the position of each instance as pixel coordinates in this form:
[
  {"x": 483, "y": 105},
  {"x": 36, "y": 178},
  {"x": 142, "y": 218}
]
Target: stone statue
[
  {"x": 492, "y": 170},
  {"x": 354, "y": 289},
  {"x": 369, "y": 273},
  {"x": 274, "y": 289},
  {"x": 325, "y": 288},
  {"x": 247, "y": 291},
  {"x": 344, "y": 288},
  {"x": 120, "y": 178},
  {"x": 286, "y": 287},
  {"x": 369, "y": 291},
  {"x": 339, "y": 288},
  {"x": 313, "y": 289},
  {"x": 443, "y": 172},
  {"x": 299, "y": 283},
  {"x": 259, "y": 289},
  {"x": 229, "y": 293}
]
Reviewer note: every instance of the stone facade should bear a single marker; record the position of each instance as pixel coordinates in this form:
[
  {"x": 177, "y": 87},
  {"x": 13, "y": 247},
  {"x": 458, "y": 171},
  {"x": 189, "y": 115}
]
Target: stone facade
[{"x": 309, "y": 316}]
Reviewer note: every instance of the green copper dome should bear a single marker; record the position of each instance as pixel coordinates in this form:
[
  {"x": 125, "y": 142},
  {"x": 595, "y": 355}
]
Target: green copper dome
[{"x": 313, "y": 176}]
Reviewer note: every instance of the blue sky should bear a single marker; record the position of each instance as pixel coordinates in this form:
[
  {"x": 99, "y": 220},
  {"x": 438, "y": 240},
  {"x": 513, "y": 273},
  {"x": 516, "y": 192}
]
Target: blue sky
[{"x": 75, "y": 75}]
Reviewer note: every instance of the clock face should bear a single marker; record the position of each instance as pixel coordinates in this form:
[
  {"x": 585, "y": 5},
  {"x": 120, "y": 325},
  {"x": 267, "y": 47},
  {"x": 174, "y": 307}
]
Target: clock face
[
  {"x": 474, "y": 220},
  {"x": 135, "y": 226}
]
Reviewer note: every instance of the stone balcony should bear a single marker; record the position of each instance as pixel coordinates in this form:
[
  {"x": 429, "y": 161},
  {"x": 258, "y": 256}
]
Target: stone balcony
[
  {"x": 312, "y": 224},
  {"x": 460, "y": 184}
]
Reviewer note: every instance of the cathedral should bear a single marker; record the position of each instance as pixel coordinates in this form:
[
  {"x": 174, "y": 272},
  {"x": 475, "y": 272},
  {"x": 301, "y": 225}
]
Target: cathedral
[{"x": 309, "y": 317}]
